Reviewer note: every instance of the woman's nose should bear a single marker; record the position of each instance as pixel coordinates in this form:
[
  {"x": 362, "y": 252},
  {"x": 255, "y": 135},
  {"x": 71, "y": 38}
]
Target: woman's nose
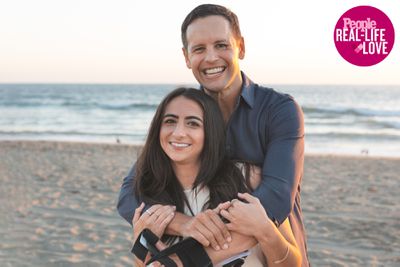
[{"x": 179, "y": 130}]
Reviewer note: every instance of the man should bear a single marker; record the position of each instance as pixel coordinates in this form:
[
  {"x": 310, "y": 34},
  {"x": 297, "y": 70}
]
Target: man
[{"x": 264, "y": 128}]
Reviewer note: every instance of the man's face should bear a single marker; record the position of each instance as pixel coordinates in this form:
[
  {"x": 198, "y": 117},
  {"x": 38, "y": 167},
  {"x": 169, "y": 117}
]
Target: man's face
[{"x": 213, "y": 54}]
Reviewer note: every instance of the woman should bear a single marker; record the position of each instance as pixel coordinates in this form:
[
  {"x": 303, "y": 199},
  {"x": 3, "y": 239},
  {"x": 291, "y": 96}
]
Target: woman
[{"x": 183, "y": 168}]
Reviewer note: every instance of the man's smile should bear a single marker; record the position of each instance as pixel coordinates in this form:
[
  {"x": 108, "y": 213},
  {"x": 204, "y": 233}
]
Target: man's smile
[{"x": 214, "y": 71}]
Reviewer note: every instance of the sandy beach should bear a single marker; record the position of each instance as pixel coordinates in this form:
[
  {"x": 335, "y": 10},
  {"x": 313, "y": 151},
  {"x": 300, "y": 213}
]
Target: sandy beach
[{"x": 58, "y": 206}]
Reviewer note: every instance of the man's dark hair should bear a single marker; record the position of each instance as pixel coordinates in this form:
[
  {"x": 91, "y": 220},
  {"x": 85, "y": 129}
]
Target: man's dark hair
[{"x": 210, "y": 10}]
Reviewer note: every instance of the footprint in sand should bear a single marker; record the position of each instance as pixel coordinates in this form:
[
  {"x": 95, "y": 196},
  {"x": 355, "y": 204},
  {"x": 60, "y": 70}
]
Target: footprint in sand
[
  {"x": 94, "y": 236},
  {"x": 75, "y": 258},
  {"x": 74, "y": 230},
  {"x": 88, "y": 226},
  {"x": 126, "y": 259},
  {"x": 79, "y": 247},
  {"x": 40, "y": 231},
  {"x": 107, "y": 252}
]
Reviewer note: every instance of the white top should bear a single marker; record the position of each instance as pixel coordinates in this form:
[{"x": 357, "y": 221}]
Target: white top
[{"x": 196, "y": 200}]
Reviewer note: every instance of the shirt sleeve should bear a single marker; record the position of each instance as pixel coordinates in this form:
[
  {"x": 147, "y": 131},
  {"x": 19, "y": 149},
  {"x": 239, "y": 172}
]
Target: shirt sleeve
[
  {"x": 127, "y": 202},
  {"x": 283, "y": 163}
]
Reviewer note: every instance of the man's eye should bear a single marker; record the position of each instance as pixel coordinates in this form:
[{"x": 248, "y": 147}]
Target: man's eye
[
  {"x": 198, "y": 50},
  {"x": 223, "y": 46}
]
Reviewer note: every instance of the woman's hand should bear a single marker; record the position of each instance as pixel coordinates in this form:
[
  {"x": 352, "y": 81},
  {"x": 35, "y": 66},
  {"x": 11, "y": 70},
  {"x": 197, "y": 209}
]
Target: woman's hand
[
  {"x": 156, "y": 219},
  {"x": 246, "y": 218}
]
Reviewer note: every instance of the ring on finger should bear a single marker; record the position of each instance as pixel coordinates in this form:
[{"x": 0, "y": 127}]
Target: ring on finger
[{"x": 149, "y": 212}]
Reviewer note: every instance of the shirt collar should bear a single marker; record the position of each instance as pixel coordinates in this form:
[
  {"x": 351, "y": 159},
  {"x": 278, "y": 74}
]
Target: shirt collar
[{"x": 248, "y": 90}]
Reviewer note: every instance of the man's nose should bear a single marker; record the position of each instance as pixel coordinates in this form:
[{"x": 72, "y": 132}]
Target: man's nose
[{"x": 211, "y": 55}]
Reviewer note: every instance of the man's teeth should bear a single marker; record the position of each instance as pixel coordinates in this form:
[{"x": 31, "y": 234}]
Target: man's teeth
[
  {"x": 179, "y": 145},
  {"x": 214, "y": 70}
]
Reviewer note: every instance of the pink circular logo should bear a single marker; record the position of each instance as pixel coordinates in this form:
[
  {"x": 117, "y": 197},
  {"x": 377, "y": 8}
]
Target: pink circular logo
[{"x": 364, "y": 35}]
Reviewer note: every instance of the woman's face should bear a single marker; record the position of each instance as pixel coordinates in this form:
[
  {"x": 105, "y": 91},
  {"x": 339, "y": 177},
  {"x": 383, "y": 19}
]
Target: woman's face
[{"x": 182, "y": 131}]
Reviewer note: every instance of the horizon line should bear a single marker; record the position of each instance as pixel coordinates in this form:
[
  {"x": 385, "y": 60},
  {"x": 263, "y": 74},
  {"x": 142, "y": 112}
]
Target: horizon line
[{"x": 183, "y": 83}]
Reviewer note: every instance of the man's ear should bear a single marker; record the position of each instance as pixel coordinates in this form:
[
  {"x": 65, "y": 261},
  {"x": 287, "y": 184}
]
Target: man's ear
[
  {"x": 242, "y": 48},
  {"x": 185, "y": 54}
]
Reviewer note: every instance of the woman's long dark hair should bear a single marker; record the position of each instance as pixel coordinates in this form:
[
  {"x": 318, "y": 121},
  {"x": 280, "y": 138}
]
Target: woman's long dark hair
[{"x": 155, "y": 181}]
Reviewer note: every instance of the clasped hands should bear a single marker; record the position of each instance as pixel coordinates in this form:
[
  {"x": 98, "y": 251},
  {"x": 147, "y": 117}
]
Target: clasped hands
[{"x": 244, "y": 215}]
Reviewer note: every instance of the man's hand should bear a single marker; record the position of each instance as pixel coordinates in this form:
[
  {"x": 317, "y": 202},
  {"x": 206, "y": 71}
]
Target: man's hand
[
  {"x": 246, "y": 218},
  {"x": 156, "y": 219},
  {"x": 208, "y": 228}
]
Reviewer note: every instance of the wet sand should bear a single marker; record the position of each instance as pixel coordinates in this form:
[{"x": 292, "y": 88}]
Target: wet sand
[{"x": 58, "y": 206}]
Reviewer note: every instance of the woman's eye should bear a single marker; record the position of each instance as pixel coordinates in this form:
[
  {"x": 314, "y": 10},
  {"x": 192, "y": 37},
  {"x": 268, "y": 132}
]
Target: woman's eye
[
  {"x": 193, "y": 124},
  {"x": 169, "y": 121}
]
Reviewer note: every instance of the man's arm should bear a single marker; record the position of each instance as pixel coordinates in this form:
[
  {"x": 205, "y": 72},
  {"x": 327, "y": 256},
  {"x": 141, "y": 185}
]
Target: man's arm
[
  {"x": 127, "y": 202},
  {"x": 206, "y": 227},
  {"x": 283, "y": 164}
]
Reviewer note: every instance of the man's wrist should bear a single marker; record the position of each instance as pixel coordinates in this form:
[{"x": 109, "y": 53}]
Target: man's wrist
[
  {"x": 177, "y": 225},
  {"x": 268, "y": 233}
]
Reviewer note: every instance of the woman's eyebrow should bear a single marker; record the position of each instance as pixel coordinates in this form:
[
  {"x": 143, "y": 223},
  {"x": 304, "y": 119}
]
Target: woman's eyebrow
[
  {"x": 194, "y": 118},
  {"x": 171, "y": 115}
]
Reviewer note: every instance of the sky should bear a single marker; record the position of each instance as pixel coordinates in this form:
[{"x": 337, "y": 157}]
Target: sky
[{"x": 132, "y": 41}]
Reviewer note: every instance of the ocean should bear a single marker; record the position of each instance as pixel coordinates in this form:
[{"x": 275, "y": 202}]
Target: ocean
[{"x": 351, "y": 120}]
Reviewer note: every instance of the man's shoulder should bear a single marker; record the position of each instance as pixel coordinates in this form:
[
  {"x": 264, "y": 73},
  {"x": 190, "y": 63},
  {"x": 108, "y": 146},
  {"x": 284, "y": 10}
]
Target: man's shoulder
[
  {"x": 265, "y": 98},
  {"x": 280, "y": 110},
  {"x": 273, "y": 98}
]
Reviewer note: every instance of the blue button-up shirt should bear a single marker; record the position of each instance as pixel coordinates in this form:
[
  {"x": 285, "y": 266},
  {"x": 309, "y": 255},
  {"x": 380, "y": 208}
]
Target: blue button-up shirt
[{"x": 266, "y": 129}]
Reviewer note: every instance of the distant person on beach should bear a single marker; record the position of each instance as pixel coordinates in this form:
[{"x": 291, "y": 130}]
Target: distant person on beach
[
  {"x": 263, "y": 127},
  {"x": 183, "y": 168}
]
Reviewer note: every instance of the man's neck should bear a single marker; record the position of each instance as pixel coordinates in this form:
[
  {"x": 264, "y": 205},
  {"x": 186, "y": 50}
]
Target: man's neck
[{"x": 227, "y": 98}]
